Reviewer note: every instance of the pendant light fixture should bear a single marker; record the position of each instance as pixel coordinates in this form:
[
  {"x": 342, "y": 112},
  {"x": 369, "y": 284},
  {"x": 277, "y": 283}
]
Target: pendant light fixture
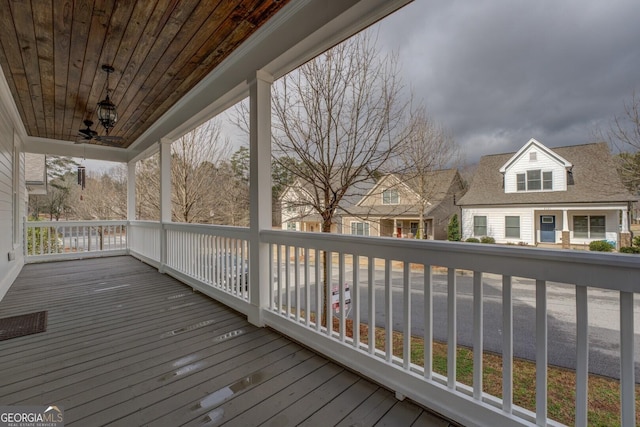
[{"x": 107, "y": 114}]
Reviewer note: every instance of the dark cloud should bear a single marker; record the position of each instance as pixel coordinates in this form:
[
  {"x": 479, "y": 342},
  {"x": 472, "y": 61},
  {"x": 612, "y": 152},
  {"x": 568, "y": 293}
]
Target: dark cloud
[{"x": 498, "y": 72}]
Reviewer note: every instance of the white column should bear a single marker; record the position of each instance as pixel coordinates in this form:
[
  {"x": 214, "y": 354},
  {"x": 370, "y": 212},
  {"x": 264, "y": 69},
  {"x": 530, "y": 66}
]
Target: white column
[
  {"x": 259, "y": 192},
  {"x": 131, "y": 191},
  {"x": 565, "y": 220},
  {"x": 625, "y": 221},
  {"x": 165, "y": 197}
]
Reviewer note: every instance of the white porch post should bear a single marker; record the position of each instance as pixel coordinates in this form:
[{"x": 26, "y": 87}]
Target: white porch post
[
  {"x": 566, "y": 234},
  {"x": 625, "y": 221},
  {"x": 131, "y": 191},
  {"x": 131, "y": 198},
  {"x": 165, "y": 197},
  {"x": 625, "y": 235},
  {"x": 259, "y": 192}
]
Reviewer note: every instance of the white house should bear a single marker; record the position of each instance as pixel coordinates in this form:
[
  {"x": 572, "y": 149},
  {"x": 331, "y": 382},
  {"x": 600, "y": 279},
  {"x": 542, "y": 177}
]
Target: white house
[
  {"x": 567, "y": 195},
  {"x": 299, "y": 198}
]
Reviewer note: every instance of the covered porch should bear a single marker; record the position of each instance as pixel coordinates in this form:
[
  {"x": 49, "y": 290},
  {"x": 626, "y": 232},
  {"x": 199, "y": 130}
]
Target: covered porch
[
  {"x": 576, "y": 226},
  {"x": 386, "y": 284}
]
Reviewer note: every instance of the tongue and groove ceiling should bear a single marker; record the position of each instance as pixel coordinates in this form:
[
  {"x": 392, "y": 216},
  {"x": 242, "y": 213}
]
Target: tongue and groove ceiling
[{"x": 52, "y": 51}]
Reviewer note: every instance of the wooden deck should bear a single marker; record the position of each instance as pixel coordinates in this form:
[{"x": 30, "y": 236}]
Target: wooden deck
[{"x": 127, "y": 346}]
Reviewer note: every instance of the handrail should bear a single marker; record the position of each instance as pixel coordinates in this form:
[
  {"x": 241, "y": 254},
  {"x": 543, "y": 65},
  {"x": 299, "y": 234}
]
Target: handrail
[
  {"x": 385, "y": 273},
  {"x": 392, "y": 275},
  {"x": 48, "y": 240}
]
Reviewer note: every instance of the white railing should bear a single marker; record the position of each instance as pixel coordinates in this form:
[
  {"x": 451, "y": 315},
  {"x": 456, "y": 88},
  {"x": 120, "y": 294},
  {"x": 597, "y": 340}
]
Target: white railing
[
  {"x": 47, "y": 240},
  {"x": 409, "y": 279},
  {"x": 432, "y": 289},
  {"x": 213, "y": 259},
  {"x": 144, "y": 241}
]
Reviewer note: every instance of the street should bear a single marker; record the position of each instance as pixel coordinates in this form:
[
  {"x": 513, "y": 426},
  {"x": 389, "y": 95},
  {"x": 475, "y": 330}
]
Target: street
[{"x": 604, "y": 316}]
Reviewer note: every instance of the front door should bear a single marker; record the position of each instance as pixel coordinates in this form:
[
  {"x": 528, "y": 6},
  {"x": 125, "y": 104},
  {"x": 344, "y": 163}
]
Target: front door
[{"x": 548, "y": 228}]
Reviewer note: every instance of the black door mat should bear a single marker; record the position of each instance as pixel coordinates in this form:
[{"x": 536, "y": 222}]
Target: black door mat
[{"x": 24, "y": 324}]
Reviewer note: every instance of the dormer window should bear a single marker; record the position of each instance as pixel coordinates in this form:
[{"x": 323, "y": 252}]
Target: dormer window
[
  {"x": 547, "y": 180},
  {"x": 534, "y": 180},
  {"x": 390, "y": 196}
]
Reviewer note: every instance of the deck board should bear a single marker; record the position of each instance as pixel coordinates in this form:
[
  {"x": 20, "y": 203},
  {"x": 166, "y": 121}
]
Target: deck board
[{"x": 126, "y": 345}]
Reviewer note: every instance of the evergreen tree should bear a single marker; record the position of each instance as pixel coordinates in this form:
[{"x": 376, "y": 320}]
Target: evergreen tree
[{"x": 453, "y": 231}]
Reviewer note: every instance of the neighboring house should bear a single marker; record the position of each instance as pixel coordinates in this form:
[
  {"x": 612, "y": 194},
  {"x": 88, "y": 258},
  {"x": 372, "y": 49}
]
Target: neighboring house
[
  {"x": 389, "y": 207},
  {"x": 392, "y": 207},
  {"x": 297, "y": 209},
  {"x": 567, "y": 195},
  {"x": 35, "y": 173},
  {"x": 298, "y": 213}
]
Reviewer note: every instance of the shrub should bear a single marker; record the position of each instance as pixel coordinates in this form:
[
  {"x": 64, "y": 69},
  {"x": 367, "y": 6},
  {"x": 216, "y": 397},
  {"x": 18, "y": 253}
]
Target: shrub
[
  {"x": 453, "y": 230},
  {"x": 472, "y": 240},
  {"x": 43, "y": 240},
  {"x": 487, "y": 239},
  {"x": 600, "y": 246},
  {"x": 630, "y": 250},
  {"x": 636, "y": 242}
]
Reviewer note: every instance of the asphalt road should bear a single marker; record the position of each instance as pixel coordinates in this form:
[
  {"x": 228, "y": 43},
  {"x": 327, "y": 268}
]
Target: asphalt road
[{"x": 604, "y": 317}]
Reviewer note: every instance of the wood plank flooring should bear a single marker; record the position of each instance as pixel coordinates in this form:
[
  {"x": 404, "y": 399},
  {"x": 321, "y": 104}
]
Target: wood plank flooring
[{"x": 128, "y": 346}]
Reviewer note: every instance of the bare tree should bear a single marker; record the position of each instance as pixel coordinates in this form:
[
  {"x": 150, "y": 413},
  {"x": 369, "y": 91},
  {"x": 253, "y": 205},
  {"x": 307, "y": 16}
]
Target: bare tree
[
  {"x": 104, "y": 197},
  {"x": 191, "y": 177},
  {"x": 428, "y": 150},
  {"x": 232, "y": 204},
  {"x": 148, "y": 188},
  {"x": 196, "y": 160},
  {"x": 624, "y": 134},
  {"x": 58, "y": 200},
  {"x": 341, "y": 118}
]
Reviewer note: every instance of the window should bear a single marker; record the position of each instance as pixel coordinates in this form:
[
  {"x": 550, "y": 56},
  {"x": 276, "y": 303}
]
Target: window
[
  {"x": 360, "y": 228},
  {"x": 533, "y": 156},
  {"x": 479, "y": 225},
  {"x": 292, "y": 226},
  {"x": 597, "y": 227},
  {"x": 533, "y": 180},
  {"x": 512, "y": 226},
  {"x": 581, "y": 226},
  {"x": 414, "y": 228},
  {"x": 548, "y": 219},
  {"x": 390, "y": 196},
  {"x": 547, "y": 180},
  {"x": 589, "y": 227}
]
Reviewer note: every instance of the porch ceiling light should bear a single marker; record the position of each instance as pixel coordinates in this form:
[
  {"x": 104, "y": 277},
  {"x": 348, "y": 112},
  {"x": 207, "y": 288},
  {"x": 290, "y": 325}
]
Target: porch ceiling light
[{"x": 107, "y": 114}]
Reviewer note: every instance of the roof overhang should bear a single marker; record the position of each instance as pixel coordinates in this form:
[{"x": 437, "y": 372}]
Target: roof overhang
[{"x": 299, "y": 31}]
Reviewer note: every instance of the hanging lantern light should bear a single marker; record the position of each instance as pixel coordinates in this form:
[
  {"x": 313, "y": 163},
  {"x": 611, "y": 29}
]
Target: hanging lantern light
[{"x": 107, "y": 114}]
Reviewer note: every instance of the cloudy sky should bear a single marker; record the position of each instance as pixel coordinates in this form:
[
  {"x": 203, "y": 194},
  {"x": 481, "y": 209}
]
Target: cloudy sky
[{"x": 499, "y": 72}]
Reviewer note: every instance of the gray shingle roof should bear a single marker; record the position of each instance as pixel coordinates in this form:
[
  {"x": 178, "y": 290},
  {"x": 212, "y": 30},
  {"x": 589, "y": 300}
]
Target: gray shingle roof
[
  {"x": 594, "y": 175},
  {"x": 440, "y": 186}
]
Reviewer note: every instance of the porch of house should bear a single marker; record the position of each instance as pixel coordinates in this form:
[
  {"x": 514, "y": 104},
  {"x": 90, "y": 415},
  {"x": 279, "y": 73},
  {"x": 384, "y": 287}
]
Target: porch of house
[{"x": 126, "y": 345}]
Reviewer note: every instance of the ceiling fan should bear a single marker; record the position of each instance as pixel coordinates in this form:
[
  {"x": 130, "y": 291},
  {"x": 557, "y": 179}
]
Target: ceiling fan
[{"x": 89, "y": 134}]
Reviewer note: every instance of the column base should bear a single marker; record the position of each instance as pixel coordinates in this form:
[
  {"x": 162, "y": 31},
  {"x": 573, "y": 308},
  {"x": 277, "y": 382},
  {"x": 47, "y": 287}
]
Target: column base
[
  {"x": 625, "y": 240},
  {"x": 566, "y": 240}
]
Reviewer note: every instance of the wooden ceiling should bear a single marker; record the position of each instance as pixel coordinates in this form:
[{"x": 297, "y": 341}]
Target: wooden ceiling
[{"x": 52, "y": 51}]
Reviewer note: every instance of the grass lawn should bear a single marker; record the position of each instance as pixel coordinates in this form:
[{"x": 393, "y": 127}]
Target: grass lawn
[{"x": 604, "y": 393}]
